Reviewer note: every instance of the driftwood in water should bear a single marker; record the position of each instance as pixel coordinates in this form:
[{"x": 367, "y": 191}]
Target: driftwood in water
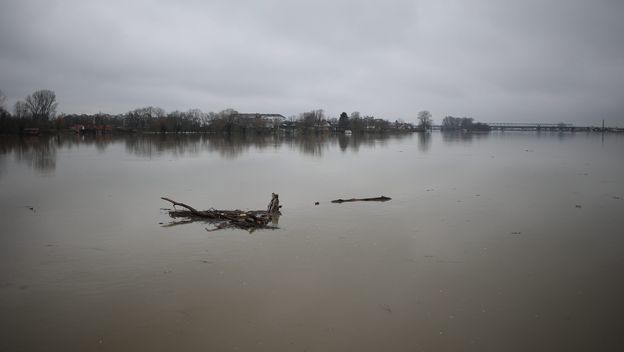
[
  {"x": 274, "y": 206},
  {"x": 375, "y": 199},
  {"x": 248, "y": 220}
]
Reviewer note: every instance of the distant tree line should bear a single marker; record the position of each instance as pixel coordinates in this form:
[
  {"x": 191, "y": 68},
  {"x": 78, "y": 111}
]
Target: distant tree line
[
  {"x": 450, "y": 123},
  {"x": 38, "y": 110}
]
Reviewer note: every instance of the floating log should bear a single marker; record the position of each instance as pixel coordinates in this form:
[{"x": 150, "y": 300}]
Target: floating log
[
  {"x": 375, "y": 199},
  {"x": 247, "y": 220}
]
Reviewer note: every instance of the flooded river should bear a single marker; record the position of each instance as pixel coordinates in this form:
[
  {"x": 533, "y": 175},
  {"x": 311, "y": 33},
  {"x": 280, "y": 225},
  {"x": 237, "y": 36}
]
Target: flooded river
[{"x": 507, "y": 241}]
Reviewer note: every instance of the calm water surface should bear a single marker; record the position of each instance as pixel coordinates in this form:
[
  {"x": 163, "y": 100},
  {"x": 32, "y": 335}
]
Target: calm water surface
[{"x": 499, "y": 242}]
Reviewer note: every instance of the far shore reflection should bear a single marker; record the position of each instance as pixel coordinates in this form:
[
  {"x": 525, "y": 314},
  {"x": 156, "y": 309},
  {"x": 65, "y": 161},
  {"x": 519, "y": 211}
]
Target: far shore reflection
[
  {"x": 233, "y": 146},
  {"x": 40, "y": 152}
]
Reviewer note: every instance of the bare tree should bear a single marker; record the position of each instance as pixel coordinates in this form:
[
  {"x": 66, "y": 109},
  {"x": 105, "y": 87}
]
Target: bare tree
[
  {"x": 2, "y": 101},
  {"x": 196, "y": 115},
  {"x": 42, "y": 104},
  {"x": 308, "y": 119},
  {"x": 312, "y": 119},
  {"x": 424, "y": 118},
  {"x": 144, "y": 118},
  {"x": 20, "y": 110},
  {"x": 355, "y": 121},
  {"x": 451, "y": 123},
  {"x": 227, "y": 113}
]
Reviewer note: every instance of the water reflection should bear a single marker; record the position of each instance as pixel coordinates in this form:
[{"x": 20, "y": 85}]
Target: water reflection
[
  {"x": 424, "y": 142},
  {"x": 228, "y": 147},
  {"x": 233, "y": 146},
  {"x": 560, "y": 135},
  {"x": 309, "y": 144},
  {"x": 354, "y": 142},
  {"x": 451, "y": 137},
  {"x": 149, "y": 146},
  {"x": 100, "y": 142},
  {"x": 40, "y": 152}
]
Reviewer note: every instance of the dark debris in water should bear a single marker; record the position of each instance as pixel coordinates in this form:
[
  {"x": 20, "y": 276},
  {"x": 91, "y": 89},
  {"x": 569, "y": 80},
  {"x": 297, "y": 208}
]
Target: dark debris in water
[
  {"x": 221, "y": 219},
  {"x": 373, "y": 199},
  {"x": 386, "y": 308},
  {"x": 30, "y": 207}
]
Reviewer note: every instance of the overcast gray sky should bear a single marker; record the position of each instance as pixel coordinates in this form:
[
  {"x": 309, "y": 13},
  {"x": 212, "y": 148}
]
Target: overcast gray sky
[{"x": 494, "y": 60}]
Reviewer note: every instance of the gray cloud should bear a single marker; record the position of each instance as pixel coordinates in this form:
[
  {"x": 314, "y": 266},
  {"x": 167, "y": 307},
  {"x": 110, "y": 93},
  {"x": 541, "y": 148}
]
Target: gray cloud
[{"x": 553, "y": 60}]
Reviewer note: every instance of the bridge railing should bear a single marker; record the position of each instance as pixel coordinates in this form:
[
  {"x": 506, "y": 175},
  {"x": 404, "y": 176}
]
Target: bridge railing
[{"x": 529, "y": 124}]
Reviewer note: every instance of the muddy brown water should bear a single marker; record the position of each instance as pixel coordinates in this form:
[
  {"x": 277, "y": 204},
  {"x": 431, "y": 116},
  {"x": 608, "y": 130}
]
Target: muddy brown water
[{"x": 499, "y": 242}]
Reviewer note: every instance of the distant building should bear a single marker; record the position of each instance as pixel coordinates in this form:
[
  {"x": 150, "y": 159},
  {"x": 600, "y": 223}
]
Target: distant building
[{"x": 257, "y": 121}]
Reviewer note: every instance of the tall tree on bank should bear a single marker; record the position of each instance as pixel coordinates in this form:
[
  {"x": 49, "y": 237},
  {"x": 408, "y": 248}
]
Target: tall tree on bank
[
  {"x": 42, "y": 104},
  {"x": 343, "y": 121},
  {"x": 424, "y": 120}
]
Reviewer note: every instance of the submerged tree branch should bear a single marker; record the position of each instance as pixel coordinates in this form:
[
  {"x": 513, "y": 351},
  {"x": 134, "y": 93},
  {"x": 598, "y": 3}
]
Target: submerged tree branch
[{"x": 247, "y": 220}]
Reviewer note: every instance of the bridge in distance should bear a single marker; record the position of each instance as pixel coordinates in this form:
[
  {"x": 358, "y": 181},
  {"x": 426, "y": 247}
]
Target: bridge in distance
[{"x": 534, "y": 126}]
